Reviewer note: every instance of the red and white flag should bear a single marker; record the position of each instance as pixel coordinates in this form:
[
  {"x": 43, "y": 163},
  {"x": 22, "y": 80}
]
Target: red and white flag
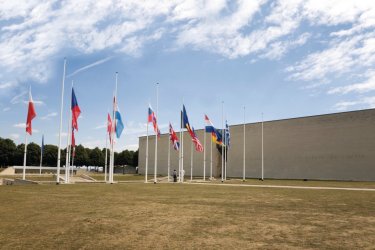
[
  {"x": 30, "y": 114},
  {"x": 109, "y": 126},
  {"x": 173, "y": 137},
  {"x": 197, "y": 143}
]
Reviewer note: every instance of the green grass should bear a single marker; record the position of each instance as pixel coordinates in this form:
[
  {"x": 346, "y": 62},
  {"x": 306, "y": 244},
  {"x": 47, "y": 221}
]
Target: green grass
[
  {"x": 103, "y": 216},
  {"x": 117, "y": 177},
  {"x": 344, "y": 184},
  {"x": 36, "y": 177}
]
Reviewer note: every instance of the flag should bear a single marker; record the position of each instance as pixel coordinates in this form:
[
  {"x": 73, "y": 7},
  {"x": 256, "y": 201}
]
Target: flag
[
  {"x": 118, "y": 124},
  {"x": 152, "y": 118},
  {"x": 210, "y": 127},
  {"x": 76, "y": 111},
  {"x": 30, "y": 114},
  {"x": 109, "y": 126},
  {"x": 173, "y": 137},
  {"x": 215, "y": 133},
  {"x": 197, "y": 143},
  {"x": 186, "y": 124},
  {"x": 227, "y": 135}
]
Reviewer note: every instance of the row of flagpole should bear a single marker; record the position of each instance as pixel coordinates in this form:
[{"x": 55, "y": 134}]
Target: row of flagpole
[
  {"x": 115, "y": 125},
  {"x": 152, "y": 117}
]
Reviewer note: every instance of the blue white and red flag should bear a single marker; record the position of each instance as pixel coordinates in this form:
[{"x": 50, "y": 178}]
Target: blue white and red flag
[
  {"x": 76, "y": 111},
  {"x": 152, "y": 118},
  {"x": 174, "y": 138}
]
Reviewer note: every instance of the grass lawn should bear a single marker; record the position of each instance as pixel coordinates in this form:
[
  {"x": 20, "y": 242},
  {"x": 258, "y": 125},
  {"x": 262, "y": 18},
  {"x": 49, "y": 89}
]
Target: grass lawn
[
  {"x": 34, "y": 177},
  {"x": 117, "y": 177},
  {"x": 310, "y": 183},
  {"x": 138, "y": 215}
]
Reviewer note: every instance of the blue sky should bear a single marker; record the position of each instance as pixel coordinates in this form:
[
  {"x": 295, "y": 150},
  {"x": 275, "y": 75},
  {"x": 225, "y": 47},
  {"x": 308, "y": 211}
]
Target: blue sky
[{"x": 286, "y": 58}]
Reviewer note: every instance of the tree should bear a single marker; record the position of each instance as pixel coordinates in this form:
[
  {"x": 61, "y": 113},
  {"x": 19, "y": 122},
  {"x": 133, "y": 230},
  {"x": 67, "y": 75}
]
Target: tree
[
  {"x": 7, "y": 150},
  {"x": 18, "y": 155},
  {"x": 33, "y": 154},
  {"x": 12, "y": 155},
  {"x": 50, "y": 155},
  {"x": 135, "y": 159},
  {"x": 96, "y": 157},
  {"x": 81, "y": 158}
]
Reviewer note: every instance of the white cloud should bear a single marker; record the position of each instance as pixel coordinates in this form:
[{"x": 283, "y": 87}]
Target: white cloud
[
  {"x": 20, "y": 125},
  {"x": 63, "y": 134},
  {"x": 48, "y": 116},
  {"x": 6, "y": 85},
  {"x": 6, "y": 109},
  {"x": 33, "y": 33},
  {"x": 36, "y": 102},
  {"x": 278, "y": 49},
  {"x": 367, "y": 102},
  {"x": 90, "y": 66},
  {"x": 14, "y": 136},
  {"x": 23, "y": 98},
  {"x": 104, "y": 125},
  {"x": 362, "y": 87},
  {"x": 18, "y": 98}
]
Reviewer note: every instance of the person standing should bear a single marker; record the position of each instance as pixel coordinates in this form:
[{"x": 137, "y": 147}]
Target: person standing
[{"x": 174, "y": 175}]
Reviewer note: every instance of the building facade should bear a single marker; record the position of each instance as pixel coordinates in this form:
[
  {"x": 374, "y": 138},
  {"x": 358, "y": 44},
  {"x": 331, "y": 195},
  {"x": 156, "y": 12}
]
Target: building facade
[{"x": 337, "y": 146}]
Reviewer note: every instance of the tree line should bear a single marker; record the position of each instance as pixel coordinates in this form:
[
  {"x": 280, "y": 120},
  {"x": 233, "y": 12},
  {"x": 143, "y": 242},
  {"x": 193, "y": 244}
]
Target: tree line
[{"x": 12, "y": 155}]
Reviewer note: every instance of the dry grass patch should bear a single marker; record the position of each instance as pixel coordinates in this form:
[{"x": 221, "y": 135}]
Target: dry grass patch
[{"x": 103, "y": 216}]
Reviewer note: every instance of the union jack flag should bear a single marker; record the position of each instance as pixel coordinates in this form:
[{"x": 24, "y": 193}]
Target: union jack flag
[{"x": 173, "y": 137}]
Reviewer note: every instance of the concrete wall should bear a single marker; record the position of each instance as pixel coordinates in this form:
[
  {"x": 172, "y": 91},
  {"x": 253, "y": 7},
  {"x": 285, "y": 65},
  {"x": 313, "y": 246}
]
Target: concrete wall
[
  {"x": 163, "y": 156},
  {"x": 327, "y": 147}
]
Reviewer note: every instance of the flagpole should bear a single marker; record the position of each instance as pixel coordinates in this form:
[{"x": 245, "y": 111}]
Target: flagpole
[
  {"x": 244, "y": 143},
  {"x": 222, "y": 147},
  {"x": 70, "y": 138},
  {"x": 106, "y": 155},
  {"x": 146, "y": 171},
  {"x": 226, "y": 158},
  {"x": 113, "y": 139},
  {"x": 67, "y": 153},
  {"x": 182, "y": 154},
  {"x": 262, "y": 151},
  {"x": 204, "y": 155},
  {"x": 181, "y": 139},
  {"x": 24, "y": 159},
  {"x": 73, "y": 160},
  {"x": 60, "y": 130},
  {"x": 191, "y": 161},
  {"x": 225, "y": 151},
  {"x": 211, "y": 142},
  {"x": 41, "y": 156},
  {"x": 110, "y": 147},
  {"x": 156, "y": 135},
  {"x": 169, "y": 153},
  {"x": 67, "y": 160}
]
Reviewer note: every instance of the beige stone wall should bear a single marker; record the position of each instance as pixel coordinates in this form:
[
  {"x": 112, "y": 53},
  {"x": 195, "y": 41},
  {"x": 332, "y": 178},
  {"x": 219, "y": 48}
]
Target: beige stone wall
[
  {"x": 198, "y": 158},
  {"x": 327, "y": 147}
]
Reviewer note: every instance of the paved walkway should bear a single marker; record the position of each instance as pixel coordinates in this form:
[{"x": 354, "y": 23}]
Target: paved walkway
[{"x": 278, "y": 186}]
